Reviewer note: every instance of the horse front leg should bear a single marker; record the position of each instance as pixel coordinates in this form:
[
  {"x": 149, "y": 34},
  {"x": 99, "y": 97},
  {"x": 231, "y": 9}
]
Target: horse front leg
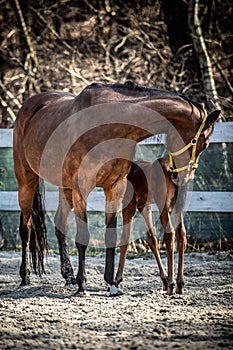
[
  {"x": 114, "y": 196},
  {"x": 181, "y": 242},
  {"x": 169, "y": 236},
  {"x": 81, "y": 240},
  {"x": 61, "y": 229},
  {"x": 153, "y": 243}
]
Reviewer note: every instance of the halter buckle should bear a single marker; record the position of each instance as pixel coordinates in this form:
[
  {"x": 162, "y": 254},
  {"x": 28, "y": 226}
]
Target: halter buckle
[{"x": 193, "y": 141}]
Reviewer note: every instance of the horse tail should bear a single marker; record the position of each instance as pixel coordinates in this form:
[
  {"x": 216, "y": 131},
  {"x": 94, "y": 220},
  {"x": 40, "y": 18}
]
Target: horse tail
[{"x": 38, "y": 240}]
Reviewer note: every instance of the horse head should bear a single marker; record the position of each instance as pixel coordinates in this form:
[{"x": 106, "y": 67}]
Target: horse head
[{"x": 185, "y": 149}]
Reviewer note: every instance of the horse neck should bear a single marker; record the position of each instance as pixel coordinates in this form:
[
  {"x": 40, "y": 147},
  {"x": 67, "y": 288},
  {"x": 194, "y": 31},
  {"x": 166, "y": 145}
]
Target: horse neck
[
  {"x": 171, "y": 124},
  {"x": 142, "y": 115},
  {"x": 173, "y": 116}
]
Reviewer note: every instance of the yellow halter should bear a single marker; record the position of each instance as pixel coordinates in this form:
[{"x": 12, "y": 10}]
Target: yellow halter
[{"x": 193, "y": 143}]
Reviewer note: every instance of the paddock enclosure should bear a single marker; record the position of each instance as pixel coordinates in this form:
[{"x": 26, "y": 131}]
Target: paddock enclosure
[{"x": 45, "y": 315}]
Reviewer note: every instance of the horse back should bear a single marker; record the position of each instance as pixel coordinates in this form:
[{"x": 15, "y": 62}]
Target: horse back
[{"x": 37, "y": 103}]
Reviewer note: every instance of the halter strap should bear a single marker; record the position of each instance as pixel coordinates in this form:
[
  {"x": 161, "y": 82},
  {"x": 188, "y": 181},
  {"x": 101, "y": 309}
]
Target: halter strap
[{"x": 192, "y": 143}]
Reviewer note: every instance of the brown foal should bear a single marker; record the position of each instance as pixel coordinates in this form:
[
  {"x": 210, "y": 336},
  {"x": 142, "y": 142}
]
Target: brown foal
[{"x": 152, "y": 183}]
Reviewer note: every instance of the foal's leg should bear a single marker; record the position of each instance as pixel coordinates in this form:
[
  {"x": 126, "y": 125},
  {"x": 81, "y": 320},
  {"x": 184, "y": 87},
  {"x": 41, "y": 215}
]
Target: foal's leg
[
  {"x": 153, "y": 243},
  {"x": 169, "y": 235},
  {"x": 114, "y": 196},
  {"x": 128, "y": 213},
  {"x": 61, "y": 229},
  {"x": 181, "y": 246},
  {"x": 26, "y": 196},
  {"x": 81, "y": 240}
]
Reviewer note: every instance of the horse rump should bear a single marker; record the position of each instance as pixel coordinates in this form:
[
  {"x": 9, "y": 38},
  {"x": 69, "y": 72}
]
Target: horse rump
[{"x": 38, "y": 240}]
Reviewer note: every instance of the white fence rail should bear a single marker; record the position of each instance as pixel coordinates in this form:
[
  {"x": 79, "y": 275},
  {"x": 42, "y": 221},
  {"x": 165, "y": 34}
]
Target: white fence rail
[{"x": 196, "y": 201}]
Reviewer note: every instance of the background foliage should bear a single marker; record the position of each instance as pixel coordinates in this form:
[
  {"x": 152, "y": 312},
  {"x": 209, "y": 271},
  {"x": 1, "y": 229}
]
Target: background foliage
[{"x": 68, "y": 44}]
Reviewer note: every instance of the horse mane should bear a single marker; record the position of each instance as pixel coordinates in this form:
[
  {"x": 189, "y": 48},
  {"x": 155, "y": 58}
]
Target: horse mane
[
  {"x": 137, "y": 87},
  {"x": 129, "y": 85}
]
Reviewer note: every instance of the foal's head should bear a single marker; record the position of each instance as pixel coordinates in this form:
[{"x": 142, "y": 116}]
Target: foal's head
[{"x": 186, "y": 147}]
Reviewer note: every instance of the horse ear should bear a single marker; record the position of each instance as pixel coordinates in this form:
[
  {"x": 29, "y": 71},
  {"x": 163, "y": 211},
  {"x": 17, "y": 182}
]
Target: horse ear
[{"x": 211, "y": 119}]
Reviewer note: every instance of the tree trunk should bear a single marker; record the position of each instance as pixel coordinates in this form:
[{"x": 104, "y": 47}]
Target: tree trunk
[
  {"x": 203, "y": 56},
  {"x": 175, "y": 16}
]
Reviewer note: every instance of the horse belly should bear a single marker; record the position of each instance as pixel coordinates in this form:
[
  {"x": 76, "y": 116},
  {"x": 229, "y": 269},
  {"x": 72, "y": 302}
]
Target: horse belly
[{"x": 112, "y": 172}]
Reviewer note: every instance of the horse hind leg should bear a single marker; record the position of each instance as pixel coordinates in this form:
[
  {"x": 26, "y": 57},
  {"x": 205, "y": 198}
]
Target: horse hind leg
[
  {"x": 181, "y": 246},
  {"x": 25, "y": 232},
  {"x": 169, "y": 235},
  {"x": 61, "y": 229},
  {"x": 153, "y": 243},
  {"x": 26, "y": 199}
]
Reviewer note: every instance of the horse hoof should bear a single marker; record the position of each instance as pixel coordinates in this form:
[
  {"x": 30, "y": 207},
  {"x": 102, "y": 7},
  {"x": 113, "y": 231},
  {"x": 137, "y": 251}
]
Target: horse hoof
[
  {"x": 82, "y": 294},
  {"x": 25, "y": 282},
  {"x": 70, "y": 286},
  {"x": 118, "y": 281},
  {"x": 170, "y": 289},
  {"x": 71, "y": 283},
  {"x": 180, "y": 288},
  {"x": 115, "y": 291},
  {"x": 165, "y": 285}
]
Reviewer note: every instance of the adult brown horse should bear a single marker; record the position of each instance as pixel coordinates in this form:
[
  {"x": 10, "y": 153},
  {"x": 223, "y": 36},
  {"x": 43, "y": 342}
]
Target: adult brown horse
[
  {"x": 79, "y": 142},
  {"x": 153, "y": 183}
]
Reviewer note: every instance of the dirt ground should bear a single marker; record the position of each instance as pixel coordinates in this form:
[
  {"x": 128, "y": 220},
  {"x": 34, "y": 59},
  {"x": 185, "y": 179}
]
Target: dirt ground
[{"x": 45, "y": 315}]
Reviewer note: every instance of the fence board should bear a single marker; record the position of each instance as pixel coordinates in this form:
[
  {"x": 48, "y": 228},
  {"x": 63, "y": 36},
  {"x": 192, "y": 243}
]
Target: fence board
[
  {"x": 223, "y": 132},
  {"x": 6, "y": 138},
  {"x": 196, "y": 201}
]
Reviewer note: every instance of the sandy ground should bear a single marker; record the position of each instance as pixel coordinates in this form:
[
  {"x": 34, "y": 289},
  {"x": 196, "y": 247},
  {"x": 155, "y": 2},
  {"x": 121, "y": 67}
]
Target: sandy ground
[{"x": 45, "y": 315}]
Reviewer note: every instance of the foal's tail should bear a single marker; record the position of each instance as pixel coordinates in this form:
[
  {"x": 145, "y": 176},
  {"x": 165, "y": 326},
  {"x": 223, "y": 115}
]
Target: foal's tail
[{"x": 38, "y": 239}]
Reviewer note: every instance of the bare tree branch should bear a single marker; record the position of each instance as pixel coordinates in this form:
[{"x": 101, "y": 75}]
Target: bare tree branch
[
  {"x": 28, "y": 39},
  {"x": 52, "y": 30},
  {"x": 9, "y": 110},
  {"x": 10, "y": 95}
]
